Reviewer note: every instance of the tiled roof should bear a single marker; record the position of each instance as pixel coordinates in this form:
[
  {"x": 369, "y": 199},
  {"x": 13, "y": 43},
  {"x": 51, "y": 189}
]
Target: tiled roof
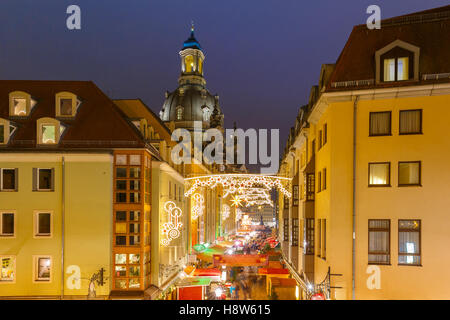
[
  {"x": 429, "y": 30},
  {"x": 98, "y": 124}
]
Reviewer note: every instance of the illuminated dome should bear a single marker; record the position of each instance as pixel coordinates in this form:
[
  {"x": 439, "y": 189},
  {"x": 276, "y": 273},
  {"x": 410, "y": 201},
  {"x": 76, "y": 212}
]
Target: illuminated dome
[{"x": 191, "y": 101}]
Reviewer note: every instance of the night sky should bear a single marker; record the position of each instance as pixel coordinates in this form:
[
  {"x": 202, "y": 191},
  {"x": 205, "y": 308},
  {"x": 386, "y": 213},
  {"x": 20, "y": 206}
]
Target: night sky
[{"x": 262, "y": 56}]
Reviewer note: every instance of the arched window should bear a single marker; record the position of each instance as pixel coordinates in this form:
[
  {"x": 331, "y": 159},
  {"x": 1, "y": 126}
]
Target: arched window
[
  {"x": 180, "y": 111},
  {"x": 206, "y": 113},
  {"x": 189, "y": 63}
]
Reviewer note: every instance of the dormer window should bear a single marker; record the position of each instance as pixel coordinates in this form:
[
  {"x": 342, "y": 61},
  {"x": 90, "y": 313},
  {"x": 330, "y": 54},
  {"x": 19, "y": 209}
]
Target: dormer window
[
  {"x": 20, "y": 104},
  {"x": 49, "y": 131},
  {"x": 67, "y": 104},
  {"x": 398, "y": 61},
  {"x": 396, "y": 69}
]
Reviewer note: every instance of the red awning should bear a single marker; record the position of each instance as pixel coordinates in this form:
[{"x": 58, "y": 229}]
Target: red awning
[
  {"x": 210, "y": 272},
  {"x": 273, "y": 271}
]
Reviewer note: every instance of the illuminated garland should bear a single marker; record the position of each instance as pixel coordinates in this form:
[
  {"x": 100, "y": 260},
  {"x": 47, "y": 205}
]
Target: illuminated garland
[
  {"x": 172, "y": 228},
  {"x": 233, "y": 183},
  {"x": 198, "y": 207}
]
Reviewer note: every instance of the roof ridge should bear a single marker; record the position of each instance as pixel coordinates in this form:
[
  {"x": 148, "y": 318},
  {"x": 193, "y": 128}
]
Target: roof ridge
[{"x": 412, "y": 18}]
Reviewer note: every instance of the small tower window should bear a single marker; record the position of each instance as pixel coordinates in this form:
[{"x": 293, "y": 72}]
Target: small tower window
[
  {"x": 189, "y": 62},
  {"x": 180, "y": 113}
]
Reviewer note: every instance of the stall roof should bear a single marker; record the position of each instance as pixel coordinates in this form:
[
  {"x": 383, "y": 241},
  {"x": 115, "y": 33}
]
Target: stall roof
[
  {"x": 241, "y": 260},
  {"x": 273, "y": 271},
  {"x": 282, "y": 282},
  {"x": 193, "y": 282},
  {"x": 207, "y": 272}
]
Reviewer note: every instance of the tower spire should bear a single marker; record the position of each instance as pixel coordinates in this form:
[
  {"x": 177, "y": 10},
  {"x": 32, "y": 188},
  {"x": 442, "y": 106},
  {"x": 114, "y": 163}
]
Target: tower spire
[{"x": 192, "y": 28}]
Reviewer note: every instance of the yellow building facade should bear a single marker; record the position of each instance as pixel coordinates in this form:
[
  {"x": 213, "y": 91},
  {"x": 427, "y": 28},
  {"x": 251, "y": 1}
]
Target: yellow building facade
[{"x": 380, "y": 174}]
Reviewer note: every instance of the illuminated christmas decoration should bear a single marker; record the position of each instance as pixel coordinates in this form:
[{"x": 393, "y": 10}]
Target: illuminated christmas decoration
[
  {"x": 255, "y": 196},
  {"x": 172, "y": 228},
  {"x": 198, "y": 207},
  {"x": 225, "y": 212},
  {"x": 235, "y": 183},
  {"x": 236, "y": 201}
]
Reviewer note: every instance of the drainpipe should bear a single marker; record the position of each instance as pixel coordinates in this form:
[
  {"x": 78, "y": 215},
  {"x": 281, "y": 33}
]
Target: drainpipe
[
  {"x": 63, "y": 194},
  {"x": 355, "y": 105}
]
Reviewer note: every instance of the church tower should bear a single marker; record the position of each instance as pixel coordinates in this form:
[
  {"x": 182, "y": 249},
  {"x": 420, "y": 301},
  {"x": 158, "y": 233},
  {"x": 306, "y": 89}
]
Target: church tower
[{"x": 191, "y": 101}]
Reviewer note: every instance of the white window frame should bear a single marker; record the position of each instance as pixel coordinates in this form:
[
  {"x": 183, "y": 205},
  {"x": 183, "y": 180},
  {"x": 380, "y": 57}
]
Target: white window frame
[
  {"x": 36, "y": 234},
  {"x": 15, "y": 270},
  {"x": 5, "y": 236},
  {"x": 36, "y": 278},
  {"x": 37, "y": 179},
  {"x": 1, "y": 180}
]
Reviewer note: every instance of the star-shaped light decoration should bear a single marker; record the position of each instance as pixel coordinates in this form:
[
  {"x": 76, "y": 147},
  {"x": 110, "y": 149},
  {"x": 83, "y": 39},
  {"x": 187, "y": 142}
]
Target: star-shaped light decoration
[{"x": 236, "y": 201}]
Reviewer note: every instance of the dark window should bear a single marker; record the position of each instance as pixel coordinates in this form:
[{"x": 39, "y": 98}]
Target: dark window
[
  {"x": 309, "y": 246},
  {"x": 324, "y": 178},
  {"x": 45, "y": 179},
  {"x": 121, "y": 172},
  {"x": 121, "y": 240},
  {"x": 410, "y": 122},
  {"x": 380, "y": 123},
  {"x": 121, "y": 197},
  {"x": 7, "y": 224},
  {"x": 325, "y": 133},
  {"x": 121, "y": 185},
  {"x": 320, "y": 140},
  {"x": 319, "y": 181},
  {"x": 380, "y": 174},
  {"x": 44, "y": 224},
  {"x": 379, "y": 241},
  {"x": 409, "y": 173},
  {"x": 121, "y": 216},
  {"x": 319, "y": 237},
  {"x": 9, "y": 179},
  {"x": 66, "y": 107},
  {"x": 409, "y": 242},
  {"x": 310, "y": 187}
]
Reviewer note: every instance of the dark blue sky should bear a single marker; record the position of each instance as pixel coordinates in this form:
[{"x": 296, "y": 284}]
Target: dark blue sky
[{"x": 262, "y": 56}]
